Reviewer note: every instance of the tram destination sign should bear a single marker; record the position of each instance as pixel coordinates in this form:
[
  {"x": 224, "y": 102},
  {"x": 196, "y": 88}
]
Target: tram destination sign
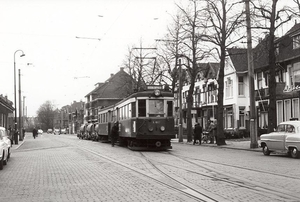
[{"x": 155, "y": 87}]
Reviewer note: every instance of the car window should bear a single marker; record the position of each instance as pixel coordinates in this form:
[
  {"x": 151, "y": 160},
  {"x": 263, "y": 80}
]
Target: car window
[
  {"x": 290, "y": 129},
  {"x": 1, "y": 134},
  {"x": 281, "y": 128}
]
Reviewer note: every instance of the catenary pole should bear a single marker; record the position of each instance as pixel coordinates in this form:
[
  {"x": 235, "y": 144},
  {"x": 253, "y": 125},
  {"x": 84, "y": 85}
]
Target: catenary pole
[{"x": 253, "y": 123}]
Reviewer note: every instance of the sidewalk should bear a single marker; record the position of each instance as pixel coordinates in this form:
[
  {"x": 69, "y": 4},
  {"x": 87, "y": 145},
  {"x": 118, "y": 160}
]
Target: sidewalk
[{"x": 240, "y": 144}]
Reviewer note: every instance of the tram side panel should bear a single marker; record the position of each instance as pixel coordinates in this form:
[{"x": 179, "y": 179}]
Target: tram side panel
[{"x": 151, "y": 128}]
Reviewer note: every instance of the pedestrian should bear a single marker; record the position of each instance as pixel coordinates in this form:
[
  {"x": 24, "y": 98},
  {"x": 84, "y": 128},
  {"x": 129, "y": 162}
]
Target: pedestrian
[
  {"x": 11, "y": 134},
  {"x": 212, "y": 129},
  {"x": 34, "y": 132},
  {"x": 197, "y": 134},
  {"x": 23, "y": 131},
  {"x": 114, "y": 133}
]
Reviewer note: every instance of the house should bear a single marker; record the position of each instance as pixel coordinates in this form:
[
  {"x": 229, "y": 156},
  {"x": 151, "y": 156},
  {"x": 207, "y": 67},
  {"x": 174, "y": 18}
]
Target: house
[
  {"x": 113, "y": 90},
  {"x": 76, "y": 116},
  {"x": 204, "y": 98},
  {"x": 6, "y": 112}
]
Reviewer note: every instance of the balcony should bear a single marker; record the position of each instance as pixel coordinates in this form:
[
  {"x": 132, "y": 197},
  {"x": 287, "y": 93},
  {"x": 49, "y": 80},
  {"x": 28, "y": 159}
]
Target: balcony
[{"x": 264, "y": 93}]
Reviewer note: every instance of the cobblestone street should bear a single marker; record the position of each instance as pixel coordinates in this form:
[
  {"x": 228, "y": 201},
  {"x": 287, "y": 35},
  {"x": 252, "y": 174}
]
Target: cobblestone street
[{"x": 63, "y": 168}]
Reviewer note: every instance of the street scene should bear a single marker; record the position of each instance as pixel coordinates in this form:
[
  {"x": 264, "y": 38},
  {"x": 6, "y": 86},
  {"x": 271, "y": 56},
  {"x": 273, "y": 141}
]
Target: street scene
[
  {"x": 65, "y": 168},
  {"x": 150, "y": 100}
]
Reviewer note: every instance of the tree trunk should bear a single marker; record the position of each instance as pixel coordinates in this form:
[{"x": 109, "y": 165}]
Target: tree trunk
[{"x": 272, "y": 118}]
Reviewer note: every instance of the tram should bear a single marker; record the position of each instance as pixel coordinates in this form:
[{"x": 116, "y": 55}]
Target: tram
[{"x": 145, "y": 120}]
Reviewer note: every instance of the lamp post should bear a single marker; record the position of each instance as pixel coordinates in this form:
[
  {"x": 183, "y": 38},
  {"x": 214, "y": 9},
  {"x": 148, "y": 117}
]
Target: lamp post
[
  {"x": 180, "y": 129},
  {"x": 20, "y": 109},
  {"x": 15, "y": 91}
]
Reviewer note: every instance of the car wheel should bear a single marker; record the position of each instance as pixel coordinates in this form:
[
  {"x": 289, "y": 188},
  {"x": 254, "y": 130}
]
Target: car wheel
[
  {"x": 5, "y": 161},
  {"x": 8, "y": 156},
  {"x": 266, "y": 150},
  {"x": 294, "y": 153},
  {"x": 1, "y": 163}
]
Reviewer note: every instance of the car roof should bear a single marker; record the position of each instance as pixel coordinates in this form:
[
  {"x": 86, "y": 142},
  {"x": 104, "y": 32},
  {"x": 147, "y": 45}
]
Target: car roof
[
  {"x": 2, "y": 128},
  {"x": 296, "y": 123}
]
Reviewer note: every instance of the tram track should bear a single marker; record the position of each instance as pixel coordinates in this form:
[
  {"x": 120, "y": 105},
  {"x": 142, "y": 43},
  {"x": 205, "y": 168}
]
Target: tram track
[
  {"x": 183, "y": 189},
  {"x": 234, "y": 166},
  {"x": 189, "y": 166},
  {"x": 232, "y": 180}
]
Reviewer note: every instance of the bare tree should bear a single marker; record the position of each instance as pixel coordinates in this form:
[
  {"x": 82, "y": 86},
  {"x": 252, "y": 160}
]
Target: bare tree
[
  {"x": 141, "y": 64},
  {"x": 222, "y": 22},
  {"x": 168, "y": 53},
  {"x": 192, "y": 50},
  {"x": 45, "y": 115},
  {"x": 269, "y": 19}
]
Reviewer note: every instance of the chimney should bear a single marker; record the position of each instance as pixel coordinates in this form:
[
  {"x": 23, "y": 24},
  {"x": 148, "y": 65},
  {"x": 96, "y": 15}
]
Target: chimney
[
  {"x": 121, "y": 68},
  {"x": 111, "y": 75}
]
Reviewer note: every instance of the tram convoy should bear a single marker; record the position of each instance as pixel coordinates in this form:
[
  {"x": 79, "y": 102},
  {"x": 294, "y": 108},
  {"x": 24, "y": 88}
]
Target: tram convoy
[{"x": 145, "y": 120}]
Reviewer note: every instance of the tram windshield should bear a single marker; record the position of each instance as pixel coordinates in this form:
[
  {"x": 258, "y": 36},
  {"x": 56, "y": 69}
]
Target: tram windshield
[{"x": 156, "y": 108}]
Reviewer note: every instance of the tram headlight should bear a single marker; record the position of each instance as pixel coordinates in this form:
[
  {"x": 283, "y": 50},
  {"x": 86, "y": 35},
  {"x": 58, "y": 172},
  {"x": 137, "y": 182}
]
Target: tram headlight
[
  {"x": 150, "y": 128},
  {"x": 157, "y": 92},
  {"x": 162, "y": 128}
]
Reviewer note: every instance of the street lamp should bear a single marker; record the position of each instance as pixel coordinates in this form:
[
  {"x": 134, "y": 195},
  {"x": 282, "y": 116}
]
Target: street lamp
[{"x": 15, "y": 90}]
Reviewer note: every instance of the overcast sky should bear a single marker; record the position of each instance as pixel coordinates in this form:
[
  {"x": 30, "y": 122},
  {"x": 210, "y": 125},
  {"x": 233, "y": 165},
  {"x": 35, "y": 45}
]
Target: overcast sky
[{"x": 46, "y": 31}]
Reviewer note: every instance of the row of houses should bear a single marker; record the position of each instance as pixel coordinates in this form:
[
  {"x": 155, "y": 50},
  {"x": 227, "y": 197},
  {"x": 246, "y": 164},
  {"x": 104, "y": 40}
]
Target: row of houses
[{"x": 236, "y": 88}]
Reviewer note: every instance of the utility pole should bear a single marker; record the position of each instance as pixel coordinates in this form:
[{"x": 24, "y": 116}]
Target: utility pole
[
  {"x": 180, "y": 129},
  {"x": 141, "y": 57},
  {"x": 23, "y": 118},
  {"x": 253, "y": 123},
  {"x": 20, "y": 109}
]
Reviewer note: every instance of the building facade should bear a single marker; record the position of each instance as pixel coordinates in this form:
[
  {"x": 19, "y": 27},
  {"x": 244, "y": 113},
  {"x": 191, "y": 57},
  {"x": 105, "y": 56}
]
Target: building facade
[{"x": 6, "y": 112}]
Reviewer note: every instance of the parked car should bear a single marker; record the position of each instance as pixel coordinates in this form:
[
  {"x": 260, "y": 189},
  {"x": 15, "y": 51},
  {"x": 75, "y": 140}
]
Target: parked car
[
  {"x": 56, "y": 132},
  {"x": 5, "y": 147},
  {"x": 49, "y": 131},
  {"x": 63, "y": 131},
  {"x": 285, "y": 139},
  {"x": 40, "y": 131}
]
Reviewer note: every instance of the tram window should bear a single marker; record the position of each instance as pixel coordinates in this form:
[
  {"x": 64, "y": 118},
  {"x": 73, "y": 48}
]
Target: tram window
[
  {"x": 129, "y": 110},
  {"x": 133, "y": 110},
  {"x": 142, "y": 108},
  {"x": 126, "y": 111},
  {"x": 156, "y": 107},
  {"x": 170, "y": 108}
]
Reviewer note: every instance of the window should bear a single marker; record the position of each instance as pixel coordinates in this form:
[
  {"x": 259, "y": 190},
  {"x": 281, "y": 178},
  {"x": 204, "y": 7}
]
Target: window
[
  {"x": 263, "y": 119},
  {"x": 296, "y": 74},
  {"x": 241, "y": 86},
  {"x": 296, "y": 42},
  {"x": 287, "y": 109},
  {"x": 142, "y": 108},
  {"x": 229, "y": 118},
  {"x": 279, "y": 108},
  {"x": 281, "y": 128},
  {"x": 170, "y": 108},
  {"x": 259, "y": 80},
  {"x": 290, "y": 129},
  {"x": 295, "y": 108},
  {"x": 242, "y": 117},
  {"x": 229, "y": 87},
  {"x": 156, "y": 107},
  {"x": 133, "y": 109}
]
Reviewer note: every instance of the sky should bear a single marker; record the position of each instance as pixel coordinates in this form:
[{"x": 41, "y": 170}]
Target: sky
[{"x": 70, "y": 45}]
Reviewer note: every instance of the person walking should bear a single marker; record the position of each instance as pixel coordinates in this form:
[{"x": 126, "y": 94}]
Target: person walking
[
  {"x": 212, "y": 128},
  {"x": 197, "y": 134},
  {"x": 114, "y": 133},
  {"x": 11, "y": 134},
  {"x": 34, "y": 132}
]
